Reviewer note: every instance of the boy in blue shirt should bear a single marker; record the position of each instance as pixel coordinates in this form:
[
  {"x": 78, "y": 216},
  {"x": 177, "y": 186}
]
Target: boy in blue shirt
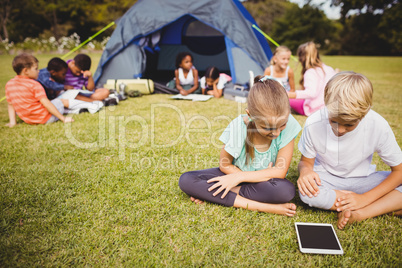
[{"x": 52, "y": 79}]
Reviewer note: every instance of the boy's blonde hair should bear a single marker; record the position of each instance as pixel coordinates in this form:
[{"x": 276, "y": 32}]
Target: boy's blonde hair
[
  {"x": 349, "y": 96},
  {"x": 23, "y": 60},
  {"x": 308, "y": 57},
  {"x": 279, "y": 50},
  {"x": 267, "y": 97}
]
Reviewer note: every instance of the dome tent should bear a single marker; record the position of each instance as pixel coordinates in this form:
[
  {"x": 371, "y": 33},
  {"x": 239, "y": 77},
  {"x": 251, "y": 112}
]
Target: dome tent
[{"x": 151, "y": 33}]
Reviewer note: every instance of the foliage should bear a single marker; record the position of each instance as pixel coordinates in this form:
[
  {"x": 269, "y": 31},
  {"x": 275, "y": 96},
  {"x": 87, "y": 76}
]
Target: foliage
[
  {"x": 390, "y": 28},
  {"x": 299, "y": 25},
  {"x": 65, "y": 205},
  {"x": 265, "y": 12},
  {"x": 361, "y": 36},
  {"x": 61, "y": 17},
  {"x": 50, "y": 44},
  {"x": 371, "y": 27},
  {"x": 369, "y": 6}
]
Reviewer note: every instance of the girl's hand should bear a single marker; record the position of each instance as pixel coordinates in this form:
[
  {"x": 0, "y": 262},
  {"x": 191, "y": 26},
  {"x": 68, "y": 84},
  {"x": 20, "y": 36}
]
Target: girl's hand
[
  {"x": 350, "y": 201},
  {"x": 183, "y": 92},
  {"x": 226, "y": 183},
  {"x": 308, "y": 183}
]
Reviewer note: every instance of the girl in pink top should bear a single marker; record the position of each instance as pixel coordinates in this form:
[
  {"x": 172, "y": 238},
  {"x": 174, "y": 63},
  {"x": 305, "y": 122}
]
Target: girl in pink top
[{"x": 315, "y": 75}]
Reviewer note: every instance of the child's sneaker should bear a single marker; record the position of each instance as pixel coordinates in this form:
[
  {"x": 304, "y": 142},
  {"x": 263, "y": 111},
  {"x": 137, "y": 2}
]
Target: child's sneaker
[
  {"x": 95, "y": 106},
  {"x": 111, "y": 100}
]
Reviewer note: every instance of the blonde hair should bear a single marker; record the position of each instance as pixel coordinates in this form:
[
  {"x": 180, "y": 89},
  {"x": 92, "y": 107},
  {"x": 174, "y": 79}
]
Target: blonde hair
[
  {"x": 279, "y": 50},
  {"x": 309, "y": 58},
  {"x": 349, "y": 96},
  {"x": 266, "y": 98}
]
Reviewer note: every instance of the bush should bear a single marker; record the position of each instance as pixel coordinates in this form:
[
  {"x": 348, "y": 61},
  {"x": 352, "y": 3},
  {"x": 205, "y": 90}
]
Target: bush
[{"x": 45, "y": 45}]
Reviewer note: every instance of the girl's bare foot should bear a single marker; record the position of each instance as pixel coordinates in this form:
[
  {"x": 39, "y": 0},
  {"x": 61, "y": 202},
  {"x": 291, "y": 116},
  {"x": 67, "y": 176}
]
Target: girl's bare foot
[
  {"x": 288, "y": 209},
  {"x": 197, "y": 201},
  {"x": 343, "y": 218}
]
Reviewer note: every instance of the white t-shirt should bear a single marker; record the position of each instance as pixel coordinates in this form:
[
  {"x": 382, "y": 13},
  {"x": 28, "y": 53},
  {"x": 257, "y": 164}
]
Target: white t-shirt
[
  {"x": 349, "y": 155},
  {"x": 221, "y": 83},
  {"x": 189, "y": 80}
]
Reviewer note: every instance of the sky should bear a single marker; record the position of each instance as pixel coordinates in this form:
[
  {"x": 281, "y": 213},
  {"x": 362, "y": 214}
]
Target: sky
[{"x": 331, "y": 12}]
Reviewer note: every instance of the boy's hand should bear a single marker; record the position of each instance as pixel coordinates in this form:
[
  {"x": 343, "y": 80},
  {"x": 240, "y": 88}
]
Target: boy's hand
[
  {"x": 86, "y": 74},
  {"x": 350, "y": 201},
  {"x": 67, "y": 87},
  {"x": 10, "y": 125},
  {"x": 68, "y": 120},
  {"x": 308, "y": 183}
]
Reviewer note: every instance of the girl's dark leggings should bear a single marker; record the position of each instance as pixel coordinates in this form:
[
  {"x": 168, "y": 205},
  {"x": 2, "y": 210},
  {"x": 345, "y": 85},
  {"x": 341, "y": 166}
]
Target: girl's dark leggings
[{"x": 274, "y": 191}]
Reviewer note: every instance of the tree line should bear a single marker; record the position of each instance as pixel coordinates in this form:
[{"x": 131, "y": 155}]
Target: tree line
[{"x": 366, "y": 27}]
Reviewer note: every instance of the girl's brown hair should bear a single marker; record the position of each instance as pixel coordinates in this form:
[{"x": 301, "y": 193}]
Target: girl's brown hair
[
  {"x": 309, "y": 58},
  {"x": 267, "y": 98}
]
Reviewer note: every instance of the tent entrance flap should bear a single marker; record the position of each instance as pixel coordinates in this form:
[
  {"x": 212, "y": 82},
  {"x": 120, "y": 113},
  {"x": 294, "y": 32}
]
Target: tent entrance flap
[
  {"x": 204, "y": 43},
  {"x": 203, "y": 39}
]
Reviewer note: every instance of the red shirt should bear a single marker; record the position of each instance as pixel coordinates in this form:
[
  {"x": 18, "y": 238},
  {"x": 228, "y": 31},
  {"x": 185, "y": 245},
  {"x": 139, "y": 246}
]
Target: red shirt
[{"x": 24, "y": 94}]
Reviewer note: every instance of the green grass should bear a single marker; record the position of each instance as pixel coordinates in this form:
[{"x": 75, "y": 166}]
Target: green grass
[{"x": 104, "y": 190}]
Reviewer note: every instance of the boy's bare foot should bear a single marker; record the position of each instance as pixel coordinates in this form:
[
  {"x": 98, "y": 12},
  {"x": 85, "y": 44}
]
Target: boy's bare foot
[
  {"x": 197, "y": 201},
  {"x": 343, "y": 218}
]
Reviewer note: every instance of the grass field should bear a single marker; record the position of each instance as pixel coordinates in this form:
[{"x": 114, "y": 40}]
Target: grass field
[{"x": 103, "y": 191}]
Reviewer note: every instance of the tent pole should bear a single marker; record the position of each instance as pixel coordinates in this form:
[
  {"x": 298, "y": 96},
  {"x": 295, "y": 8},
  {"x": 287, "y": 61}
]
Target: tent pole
[
  {"x": 89, "y": 39},
  {"x": 270, "y": 39}
]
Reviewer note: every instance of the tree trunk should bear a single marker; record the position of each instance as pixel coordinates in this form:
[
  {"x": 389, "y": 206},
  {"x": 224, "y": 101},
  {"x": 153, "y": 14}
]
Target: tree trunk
[
  {"x": 4, "y": 19},
  {"x": 55, "y": 28}
]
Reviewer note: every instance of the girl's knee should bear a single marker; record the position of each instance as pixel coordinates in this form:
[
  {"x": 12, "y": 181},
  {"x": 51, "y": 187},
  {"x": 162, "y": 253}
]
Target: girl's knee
[
  {"x": 275, "y": 191},
  {"x": 286, "y": 189},
  {"x": 184, "y": 181}
]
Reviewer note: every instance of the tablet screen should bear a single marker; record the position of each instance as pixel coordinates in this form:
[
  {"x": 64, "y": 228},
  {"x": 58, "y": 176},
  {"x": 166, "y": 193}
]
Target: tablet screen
[{"x": 318, "y": 238}]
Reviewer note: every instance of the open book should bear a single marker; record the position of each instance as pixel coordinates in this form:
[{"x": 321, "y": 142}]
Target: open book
[{"x": 193, "y": 97}]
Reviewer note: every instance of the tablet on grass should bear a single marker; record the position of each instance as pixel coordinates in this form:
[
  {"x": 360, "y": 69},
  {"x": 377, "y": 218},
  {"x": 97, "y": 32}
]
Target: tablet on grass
[{"x": 318, "y": 238}]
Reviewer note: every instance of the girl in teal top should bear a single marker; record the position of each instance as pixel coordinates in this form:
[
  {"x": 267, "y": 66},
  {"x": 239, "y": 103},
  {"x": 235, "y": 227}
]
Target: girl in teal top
[{"x": 255, "y": 158}]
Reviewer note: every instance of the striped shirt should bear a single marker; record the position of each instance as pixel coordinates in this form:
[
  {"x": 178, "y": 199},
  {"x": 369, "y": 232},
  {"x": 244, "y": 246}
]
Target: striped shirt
[
  {"x": 24, "y": 94},
  {"x": 78, "y": 82}
]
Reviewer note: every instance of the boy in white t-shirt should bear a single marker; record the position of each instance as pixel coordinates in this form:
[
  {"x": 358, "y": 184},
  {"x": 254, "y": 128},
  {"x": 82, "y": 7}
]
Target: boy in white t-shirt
[{"x": 337, "y": 146}]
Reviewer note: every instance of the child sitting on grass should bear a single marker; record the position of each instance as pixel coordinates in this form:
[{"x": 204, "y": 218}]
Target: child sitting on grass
[
  {"x": 186, "y": 75},
  {"x": 79, "y": 76},
  {"x": 52, "y": 79},
  {"x": 280, "y": 68},
  {"x": 27, "y": 98},
  {"x": 255, "y": 158},
  {"x": 337, "y": 146}
]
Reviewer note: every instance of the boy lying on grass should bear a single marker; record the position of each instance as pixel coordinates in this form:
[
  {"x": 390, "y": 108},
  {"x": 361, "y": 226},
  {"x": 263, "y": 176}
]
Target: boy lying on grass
[{"x": 337, "y": 146}]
